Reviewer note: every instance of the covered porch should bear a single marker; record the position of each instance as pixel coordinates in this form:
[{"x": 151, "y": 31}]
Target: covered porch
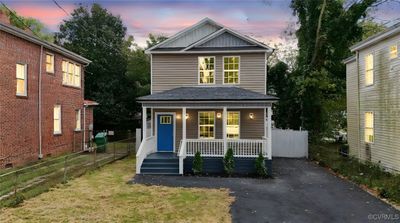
[{"x": 209, "y": 127}]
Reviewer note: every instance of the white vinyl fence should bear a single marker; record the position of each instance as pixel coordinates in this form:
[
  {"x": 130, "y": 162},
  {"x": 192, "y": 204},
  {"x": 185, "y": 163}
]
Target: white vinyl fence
[{"x": 289, "y": 143}]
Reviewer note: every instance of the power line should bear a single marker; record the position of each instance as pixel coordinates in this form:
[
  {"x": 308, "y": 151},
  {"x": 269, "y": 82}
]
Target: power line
[{"x": 17, "y": 17}]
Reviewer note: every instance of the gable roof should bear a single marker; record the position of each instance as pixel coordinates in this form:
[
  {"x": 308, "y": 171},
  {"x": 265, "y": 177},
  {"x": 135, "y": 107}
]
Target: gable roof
[
  {"x": 389, "y": 32},
  {"x": 208, "y": 35}
]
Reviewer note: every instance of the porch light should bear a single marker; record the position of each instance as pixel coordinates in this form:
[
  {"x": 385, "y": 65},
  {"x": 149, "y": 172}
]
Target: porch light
[
  {"x": 251, "y": 115},
  {"x": 187, "y": 116},
  {"x": 178, "y": 116},
  {"x": 219, "y": 115}
]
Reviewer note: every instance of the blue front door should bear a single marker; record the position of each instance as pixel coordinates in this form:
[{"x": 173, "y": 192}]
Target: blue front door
[{"x": 165, "y": 133}]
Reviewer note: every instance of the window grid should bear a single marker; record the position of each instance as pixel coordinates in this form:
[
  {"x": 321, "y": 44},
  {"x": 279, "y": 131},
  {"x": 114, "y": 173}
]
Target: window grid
[
  {"x": 393, "y": 51},
  {"x": 231, "y": 70},
  {"x": 206, "y": 125},
  {"x": 21, "y": 76},
  {"x": 369, "y": 69},
  {"x": 207, "y": 70},
  {"x": 369, "y": 127},
  {"x": 49, "y": 63},
  {"x": 233, "y": 125},
  {"x": 71, "y": 74},
  {"x": 165, "y": 120}
]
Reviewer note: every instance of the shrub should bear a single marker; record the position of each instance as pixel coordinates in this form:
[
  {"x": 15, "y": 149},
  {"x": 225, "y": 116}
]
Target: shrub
[
  {"x": 229, "y": 162},
  {"x": 261, "y": 169},
  {"x": 197, "y": 163}
]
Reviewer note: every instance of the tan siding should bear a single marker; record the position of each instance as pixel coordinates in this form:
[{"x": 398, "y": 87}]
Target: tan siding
[
  {"x": 382, "y": 98},
  {"x": 172, "y": 71},
  {"x": 352, "y": 108},
  {"x": 249, "y": 129}
]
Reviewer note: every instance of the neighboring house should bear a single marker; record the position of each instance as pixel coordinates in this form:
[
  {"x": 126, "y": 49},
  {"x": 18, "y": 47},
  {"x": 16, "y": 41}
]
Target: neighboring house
[
  {"x": 208, "y": 94},
  {"x": 373, "y": 99},
  {"x": 42, "y": 107}
]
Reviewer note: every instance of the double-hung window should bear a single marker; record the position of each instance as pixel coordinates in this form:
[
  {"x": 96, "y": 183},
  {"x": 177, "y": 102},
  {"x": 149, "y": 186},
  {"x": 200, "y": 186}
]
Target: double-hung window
[
  {"x": 369, "y": 69},
  {"x": 207, "y": 125},
  {"x": 21, "y": 76},
  {"x": 393, "y": 51},
  {"x": 71, "y": 74},
  {"x": 206, "y": 70},
  {"x": 233, "y": 125},
  {"x": 78, "y": 120},
  {"x": 231, "y": 69},
  {"x": 57, "y": 119},
  {"x": 369, "y": 127},
  {"x": 49, "y": 63}
]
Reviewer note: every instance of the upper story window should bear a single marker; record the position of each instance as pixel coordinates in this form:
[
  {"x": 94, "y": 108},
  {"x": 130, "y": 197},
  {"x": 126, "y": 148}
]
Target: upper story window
[
  {"x": 71, "y": 74},
  {"x": 21, "y": 75},
  {"x": 207, "y": 125},
  {"x": 231, "y": 69},
  {"x": 369, "y": 69},
  {"x": 393, "y": 52},
  {"x": 57, "y": 119},
  {"x": 206, "y": 70},
  {"x": 369, "y": 127},
  {"x": 49, "y": 63}
]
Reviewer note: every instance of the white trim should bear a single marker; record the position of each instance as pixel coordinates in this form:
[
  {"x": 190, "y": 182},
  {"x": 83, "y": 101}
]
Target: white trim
[
  {"x": 198, "y": 125},
  {"x": 178, "y": 34},
  {"x": 265, "y": 73},
  {"x": 25, "y": 65},
  {"x": 198, "y": 70},
  {"x": 373, "y": 69},
  {"x": 240, "y": 122},
  {"x": 151, "y": 73},
  {"x": 156, "y": 114},
  {"x": 223, "y": 70}
]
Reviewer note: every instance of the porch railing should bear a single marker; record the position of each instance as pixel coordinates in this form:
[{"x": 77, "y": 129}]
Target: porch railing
[
  {"x": 147, "y": 147},
  {"x": 215, "y": 147}
]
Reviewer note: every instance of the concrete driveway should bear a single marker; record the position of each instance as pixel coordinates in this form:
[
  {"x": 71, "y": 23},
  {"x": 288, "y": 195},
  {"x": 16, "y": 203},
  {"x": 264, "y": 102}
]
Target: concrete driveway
[{"x": 300, "y": 192}]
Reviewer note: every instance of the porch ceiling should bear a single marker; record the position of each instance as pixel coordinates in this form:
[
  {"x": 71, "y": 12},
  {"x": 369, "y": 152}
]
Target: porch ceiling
[{"x": 208, "y": 94}]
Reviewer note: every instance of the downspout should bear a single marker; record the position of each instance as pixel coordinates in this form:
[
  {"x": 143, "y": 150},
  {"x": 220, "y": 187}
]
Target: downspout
[
  {"x": 358, "y": 104},
  {"x": 40, "y": 102},
  {"x": 84, "y": 127}
]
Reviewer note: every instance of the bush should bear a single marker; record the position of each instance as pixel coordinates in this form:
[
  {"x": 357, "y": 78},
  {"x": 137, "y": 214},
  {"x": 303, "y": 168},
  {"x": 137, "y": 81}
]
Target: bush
[
  {"x": 229, "y": 162},
  {"x": 261, "y": 169},
  {"x": 197, "y": 163}
]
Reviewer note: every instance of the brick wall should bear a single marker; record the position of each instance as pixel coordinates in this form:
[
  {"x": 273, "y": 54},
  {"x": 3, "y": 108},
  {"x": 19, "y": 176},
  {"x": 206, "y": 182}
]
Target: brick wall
[{"x": 19, "y": 126}]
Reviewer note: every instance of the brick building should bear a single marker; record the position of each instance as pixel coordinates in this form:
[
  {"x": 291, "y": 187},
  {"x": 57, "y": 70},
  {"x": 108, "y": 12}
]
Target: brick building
[{"x": 42, "y": 106}]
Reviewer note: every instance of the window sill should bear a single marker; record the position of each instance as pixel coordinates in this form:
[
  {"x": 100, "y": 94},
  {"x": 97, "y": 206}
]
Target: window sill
[
  {"x": 70, "y": 86},
  {"x": 22, "y": 96},
  {"x": 78, "y": 130},
  {"x": 50, "y": 72},
  {"x": 57, "y": 134}
]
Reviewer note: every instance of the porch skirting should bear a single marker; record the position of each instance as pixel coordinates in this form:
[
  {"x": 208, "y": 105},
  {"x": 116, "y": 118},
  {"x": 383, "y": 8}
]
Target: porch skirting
[{"x": 214, "y": 165}]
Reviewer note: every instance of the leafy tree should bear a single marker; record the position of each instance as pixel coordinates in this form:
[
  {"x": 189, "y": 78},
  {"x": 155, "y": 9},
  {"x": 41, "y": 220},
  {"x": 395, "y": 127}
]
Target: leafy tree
[
  {"x": 23, "y": 23},
  {"x": 101, "y": 37},
  {"x": 327, "y": 28},
  {"x": 155, "y": 39},
  {"x": 370, "y": 28}
]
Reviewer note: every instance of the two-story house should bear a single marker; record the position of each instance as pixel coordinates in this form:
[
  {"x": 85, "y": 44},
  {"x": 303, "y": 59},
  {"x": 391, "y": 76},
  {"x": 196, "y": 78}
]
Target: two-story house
[
  {"x": 208, "y": 94},
  {"x": 42, "y": 107},
  {"x": 373, "y": 99}
]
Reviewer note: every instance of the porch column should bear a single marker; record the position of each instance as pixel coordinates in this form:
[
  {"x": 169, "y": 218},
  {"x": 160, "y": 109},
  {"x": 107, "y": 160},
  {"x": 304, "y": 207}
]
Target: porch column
[
  {"x": 269, "y": 138},
  {"x": 224, "y": 120},
  {"x": 144, "y": 122},
  {"x": 183, "y": 124},
  {"x": 152, "y": 123}
]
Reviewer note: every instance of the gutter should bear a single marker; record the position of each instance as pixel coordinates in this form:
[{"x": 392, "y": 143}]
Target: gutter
[{"x": 40, "y": 103}]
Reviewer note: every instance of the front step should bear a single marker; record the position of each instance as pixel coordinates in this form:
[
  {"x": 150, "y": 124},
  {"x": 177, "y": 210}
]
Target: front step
[{"x": 160, "y": 164}]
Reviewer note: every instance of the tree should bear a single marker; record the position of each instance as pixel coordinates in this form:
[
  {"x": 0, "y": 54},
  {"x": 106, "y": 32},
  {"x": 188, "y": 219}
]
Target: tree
[
  {"x": 21, "y": 22},
  {"x": 101, "y": 37},
  {"x": 327, "y": 28},
  {"x": 155, "y": 39}
]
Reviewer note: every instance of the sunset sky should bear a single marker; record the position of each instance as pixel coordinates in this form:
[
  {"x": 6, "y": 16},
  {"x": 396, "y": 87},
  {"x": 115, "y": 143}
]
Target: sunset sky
[{"x": 264, "y": 20}]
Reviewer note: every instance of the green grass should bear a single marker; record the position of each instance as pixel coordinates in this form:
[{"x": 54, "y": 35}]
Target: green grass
[
  {"x": 385, "y": 184},
  {"x": 104, "y": 195}
]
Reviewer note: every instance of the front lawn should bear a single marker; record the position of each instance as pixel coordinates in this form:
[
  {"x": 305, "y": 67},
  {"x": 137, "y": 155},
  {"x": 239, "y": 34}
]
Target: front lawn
[
  {"x": 105, "y": 196},
  {"x": 367, "y": 175}
]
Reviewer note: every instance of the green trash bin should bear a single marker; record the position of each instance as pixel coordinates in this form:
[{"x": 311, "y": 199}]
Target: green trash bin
[{"x": 101, "y": 142}]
